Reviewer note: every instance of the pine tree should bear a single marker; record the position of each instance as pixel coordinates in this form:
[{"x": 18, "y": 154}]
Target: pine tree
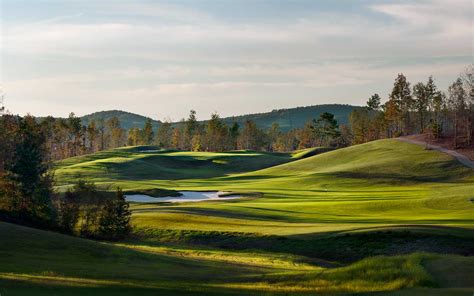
[
  {"x": 190, "y": 129},
  {"x": 114, "y": 222},
  {"x": 26, "y": 182},
  {"x": 374, "y": 102},
  {"x": 234, "y": 132},
  {"x": 401, "y": 96},
  {"x": 163, "y": 135},
  {"x": 147, "y": 133},
  {"x": 325, "y": 128},
  {"x": 421, "y": 103}
]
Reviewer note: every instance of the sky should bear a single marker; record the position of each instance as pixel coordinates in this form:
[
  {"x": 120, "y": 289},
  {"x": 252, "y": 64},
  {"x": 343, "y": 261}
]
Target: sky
[{"x": 163, "y": 58}]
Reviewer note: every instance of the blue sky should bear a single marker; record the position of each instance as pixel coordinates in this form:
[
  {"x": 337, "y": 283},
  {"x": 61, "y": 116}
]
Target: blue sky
[{"x": 163, "y": 58}]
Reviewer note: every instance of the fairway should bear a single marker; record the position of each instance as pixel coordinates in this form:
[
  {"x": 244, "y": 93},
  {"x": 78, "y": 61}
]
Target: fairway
[
  {"x": 381, "y": 183},
  {"x": 321, "y": 223},
  {"x": 236, "y": 147}
]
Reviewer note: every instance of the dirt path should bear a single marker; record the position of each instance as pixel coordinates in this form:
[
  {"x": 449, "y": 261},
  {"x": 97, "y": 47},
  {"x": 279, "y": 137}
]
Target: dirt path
[{"x": 461, "y": 158}]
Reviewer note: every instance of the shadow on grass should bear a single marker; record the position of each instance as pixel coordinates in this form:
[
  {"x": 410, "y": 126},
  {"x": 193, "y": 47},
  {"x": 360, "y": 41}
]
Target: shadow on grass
[{"x": 340, "y": 247}]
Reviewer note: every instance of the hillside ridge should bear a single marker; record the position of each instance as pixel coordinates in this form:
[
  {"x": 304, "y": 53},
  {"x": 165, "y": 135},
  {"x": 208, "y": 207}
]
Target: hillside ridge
[{"x": 287, "y": 118}]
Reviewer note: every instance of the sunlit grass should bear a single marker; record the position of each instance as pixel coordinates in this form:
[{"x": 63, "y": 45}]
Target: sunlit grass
[{"x": 319, "y": 225}]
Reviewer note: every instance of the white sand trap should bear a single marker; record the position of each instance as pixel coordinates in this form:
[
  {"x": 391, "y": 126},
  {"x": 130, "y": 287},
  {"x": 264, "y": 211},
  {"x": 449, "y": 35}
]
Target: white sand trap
[{"x": 187, "y": 196}]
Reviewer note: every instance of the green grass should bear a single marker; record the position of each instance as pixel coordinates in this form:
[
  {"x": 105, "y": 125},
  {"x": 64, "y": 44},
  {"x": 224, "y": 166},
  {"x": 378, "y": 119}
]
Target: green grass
[
  {"x": 383, "y": 183},
  {"x": 138, "y": 167},
  {"x": 54, "y": 264},
  {"x": 351, "y": 220}
]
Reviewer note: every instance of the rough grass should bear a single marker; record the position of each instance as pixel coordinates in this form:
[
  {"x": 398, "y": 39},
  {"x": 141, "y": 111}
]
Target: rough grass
[{"x": 46, "y": 262}]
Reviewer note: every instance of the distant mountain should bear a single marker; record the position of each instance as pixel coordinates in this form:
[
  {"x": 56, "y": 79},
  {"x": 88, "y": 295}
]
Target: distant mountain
[
  {"x": 294, "y": 117},
  {"x": 127, "y": 119},
  {"x": 286, "y": 118}
]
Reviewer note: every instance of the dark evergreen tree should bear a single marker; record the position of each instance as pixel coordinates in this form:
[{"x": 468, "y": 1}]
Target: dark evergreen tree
[
  {"x": 374, "y": 102},
  {"x": 147, "y": 133},
  {"x": 325, "y": 128},
  {"x": 27, "y": 184},
  {"x": 114, "y": 222},
  {"x": 69, "y": 209}
]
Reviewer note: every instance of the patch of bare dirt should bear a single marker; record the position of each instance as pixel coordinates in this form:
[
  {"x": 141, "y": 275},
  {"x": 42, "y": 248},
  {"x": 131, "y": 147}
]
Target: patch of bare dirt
[{"x": 445, "y": 142}]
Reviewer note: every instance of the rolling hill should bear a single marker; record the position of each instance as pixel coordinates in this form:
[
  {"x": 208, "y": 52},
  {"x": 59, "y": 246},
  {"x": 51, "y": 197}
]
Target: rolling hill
[
  {"x": 287, "y": 118},
  {"x": 55, "y": 264},
  {"x": 385, "y": 182},
  {"x": 149, "y": 163},
  {"x": 292, "y": 118},
  {"x": 347, "y": 221},
  {"x": 127, "y": 120}
]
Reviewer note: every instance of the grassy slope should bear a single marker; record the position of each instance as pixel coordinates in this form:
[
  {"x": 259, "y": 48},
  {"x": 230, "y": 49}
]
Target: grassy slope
[
  {"x": 54, "y": 264},
  {"x": 375, "y": 184},
  {"x": 384, "y": 197},
  {"x": 381, "y": 183},
  {"x": 138, "y": 167}
]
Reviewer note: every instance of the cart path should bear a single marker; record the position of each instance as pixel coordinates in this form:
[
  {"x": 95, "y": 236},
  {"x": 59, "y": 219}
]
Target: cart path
[{"x": 460, "y": 157}]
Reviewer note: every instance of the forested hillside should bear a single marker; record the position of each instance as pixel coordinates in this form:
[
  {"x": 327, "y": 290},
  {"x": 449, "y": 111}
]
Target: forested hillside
[
  {"x": 292, "y": 118},
  {"x": 127, "y": 120},
  {"x": 287, "y": 119}
]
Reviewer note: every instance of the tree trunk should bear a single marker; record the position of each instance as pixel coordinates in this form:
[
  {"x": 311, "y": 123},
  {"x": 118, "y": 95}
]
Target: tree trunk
[{"x": 455, "y": 130}]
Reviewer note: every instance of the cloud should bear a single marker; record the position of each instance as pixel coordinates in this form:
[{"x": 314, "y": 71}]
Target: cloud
[
  {"x": 435, "y": 20},
  {"x": 174, "y": 32},
  {"x": 173, "y": 90},
  {"x": 171, "y": 56}
]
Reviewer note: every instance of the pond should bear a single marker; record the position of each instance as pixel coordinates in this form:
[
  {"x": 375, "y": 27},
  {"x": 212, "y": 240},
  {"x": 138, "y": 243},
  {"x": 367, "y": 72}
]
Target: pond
[{"x": 187, "y": 196}]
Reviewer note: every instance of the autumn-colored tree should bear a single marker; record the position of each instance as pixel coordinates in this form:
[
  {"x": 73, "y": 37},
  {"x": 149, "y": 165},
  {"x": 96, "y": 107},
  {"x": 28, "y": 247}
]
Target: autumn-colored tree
[
  {"x": 272, "y": 135},
  {"x": 134, "y": 137},
  {"x": 457, "y": 103},
  {"x": 216, "y": 134},
  {"x": 177, "y": 137},
  {"x": 163, "y": 135},
  {"x": 392, "y": 118},
  {"x": 468, "y": 82},
  {"x": 306, "y": 136},
  {"x": 359, "y": 122},
  {"x": 116, "y": 132},
  {"x": 401, "y": 97},
  {"x": 251, "y": 137}
]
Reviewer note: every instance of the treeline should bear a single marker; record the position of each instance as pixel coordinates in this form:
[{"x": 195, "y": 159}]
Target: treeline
[
  {"x": 419, "y": 109},
  {"x": 68, "y": 137},
  {"x": 26, "y": 186},
  {"x": 216, "y": 135},
  {"x": 29, "y": 146}
]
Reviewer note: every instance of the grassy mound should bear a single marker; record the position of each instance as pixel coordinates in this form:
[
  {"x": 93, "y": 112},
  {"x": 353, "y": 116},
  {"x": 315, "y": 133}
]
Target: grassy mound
[
  {"x": 51, "y": 263},
  {"x": 346, "y": 221},
  {"x": 143, "y": 164}
]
